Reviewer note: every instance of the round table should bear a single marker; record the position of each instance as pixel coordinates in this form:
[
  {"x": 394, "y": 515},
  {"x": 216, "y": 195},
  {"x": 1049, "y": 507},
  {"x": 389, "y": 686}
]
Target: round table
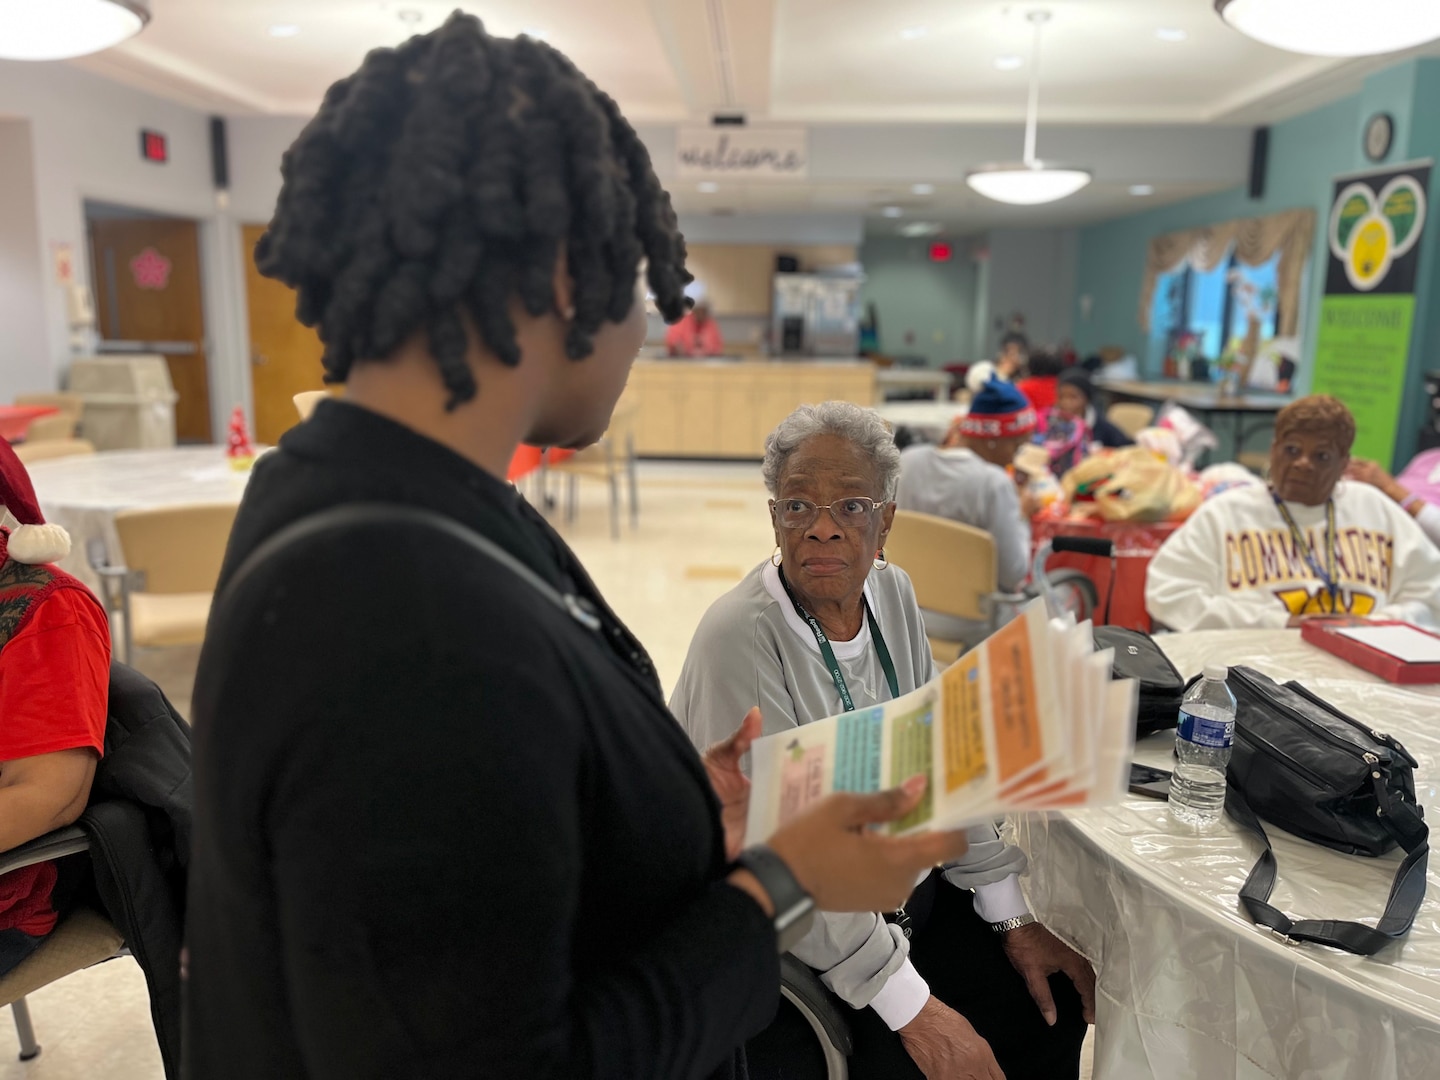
[
  {"x": 83, "y": 493},
  {"x": 1189, "y": 988}
]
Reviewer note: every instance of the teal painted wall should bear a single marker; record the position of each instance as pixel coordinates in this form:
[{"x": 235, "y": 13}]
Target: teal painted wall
[
  {"x": 1306, "y": 154},
  {"x": 932, "y": 304}
]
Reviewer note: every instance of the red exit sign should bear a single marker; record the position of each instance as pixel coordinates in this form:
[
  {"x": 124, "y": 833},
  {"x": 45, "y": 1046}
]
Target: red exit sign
[
  {"x": 154, "y": 147},
  {"x": 940, "y": 252}
]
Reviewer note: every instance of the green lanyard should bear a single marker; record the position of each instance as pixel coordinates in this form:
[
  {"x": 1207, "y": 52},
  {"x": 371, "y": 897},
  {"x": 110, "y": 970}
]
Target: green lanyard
[
  {"x": 828, "y": 654},
  {"x": 1327, "y": 575}
]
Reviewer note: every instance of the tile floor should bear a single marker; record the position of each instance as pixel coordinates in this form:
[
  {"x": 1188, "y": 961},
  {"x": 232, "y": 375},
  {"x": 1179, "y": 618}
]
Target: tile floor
[{"x": 702, "y": 528}]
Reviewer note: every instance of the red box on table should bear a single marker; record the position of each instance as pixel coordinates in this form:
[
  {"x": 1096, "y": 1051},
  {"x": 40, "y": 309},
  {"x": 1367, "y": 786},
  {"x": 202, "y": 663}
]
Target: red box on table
[{"x": 1324, "y": 633}]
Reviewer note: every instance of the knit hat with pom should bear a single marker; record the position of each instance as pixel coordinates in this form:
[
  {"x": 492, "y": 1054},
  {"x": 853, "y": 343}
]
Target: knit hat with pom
[
  {"x": 31, "y": 540},
  {"x": 998, "y": 411}
]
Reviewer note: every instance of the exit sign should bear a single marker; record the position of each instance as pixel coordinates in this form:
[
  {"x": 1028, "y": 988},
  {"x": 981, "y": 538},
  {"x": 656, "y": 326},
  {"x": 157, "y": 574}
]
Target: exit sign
[
  {"x": 940, "y": 252},
  {"x": 153, "y": 147}
]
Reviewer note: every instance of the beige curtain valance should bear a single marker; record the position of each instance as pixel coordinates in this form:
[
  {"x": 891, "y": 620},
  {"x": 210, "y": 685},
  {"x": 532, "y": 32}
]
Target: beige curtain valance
[{"x": 1255, "y": 240}]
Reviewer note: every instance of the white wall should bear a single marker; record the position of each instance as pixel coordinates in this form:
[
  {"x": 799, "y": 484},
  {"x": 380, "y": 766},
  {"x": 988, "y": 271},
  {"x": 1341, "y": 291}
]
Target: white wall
[
  {"x": 1032, "y": 271},
  {"x": 24, "y": 343}
]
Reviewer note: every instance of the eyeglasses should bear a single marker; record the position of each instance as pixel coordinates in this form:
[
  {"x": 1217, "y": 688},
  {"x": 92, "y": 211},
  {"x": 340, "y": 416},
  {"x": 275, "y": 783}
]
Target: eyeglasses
[{"x": 801, "y": 513}]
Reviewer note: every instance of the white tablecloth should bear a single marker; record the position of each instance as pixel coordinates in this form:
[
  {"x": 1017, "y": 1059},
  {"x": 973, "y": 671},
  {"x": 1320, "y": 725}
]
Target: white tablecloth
[
  {"x": 83, "y": 493},
  {"x": 1189, "y": 987}
]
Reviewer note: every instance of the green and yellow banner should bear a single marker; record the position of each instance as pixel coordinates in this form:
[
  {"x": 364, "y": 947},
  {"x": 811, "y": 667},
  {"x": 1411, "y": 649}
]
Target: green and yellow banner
[{"x": 1363, "y": 345}]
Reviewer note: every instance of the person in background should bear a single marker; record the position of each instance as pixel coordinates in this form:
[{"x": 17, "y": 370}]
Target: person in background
[
  {"x": 444, "y": 826},
  {"x": 969, "y": 479},
  {"x": 697, "y": 334},
  {"x": 972, "y": 985},
  {"x": 54, "y": 698},
  {"x": 1014, "y": 352},
  {"x": 1309, "y": 544},
  {"x": 1075, "y": 400},
  {"x": 1043, "y": 381},
  {"x": 1425, "y": 513}
]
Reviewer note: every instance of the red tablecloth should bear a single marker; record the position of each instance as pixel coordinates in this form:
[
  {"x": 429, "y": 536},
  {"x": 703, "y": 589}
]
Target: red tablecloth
[
  {"x": 15, "y": 419},
  {"x": 1135, "y": 546}
]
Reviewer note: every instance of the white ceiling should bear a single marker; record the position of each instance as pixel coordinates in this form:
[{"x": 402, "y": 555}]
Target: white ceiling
[{"x": 815, "y": 62}]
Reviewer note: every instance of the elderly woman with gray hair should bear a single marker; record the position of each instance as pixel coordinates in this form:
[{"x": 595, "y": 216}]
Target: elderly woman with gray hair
[{"x": 962, "y": 982}]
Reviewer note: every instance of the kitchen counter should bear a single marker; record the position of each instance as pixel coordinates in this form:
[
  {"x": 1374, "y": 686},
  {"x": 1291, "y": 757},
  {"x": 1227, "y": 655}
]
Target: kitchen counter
[{"x": 723, "y": 407}]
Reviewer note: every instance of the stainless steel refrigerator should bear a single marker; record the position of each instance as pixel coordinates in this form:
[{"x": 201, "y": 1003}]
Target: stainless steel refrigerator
[{"x": 816, "y": 315}]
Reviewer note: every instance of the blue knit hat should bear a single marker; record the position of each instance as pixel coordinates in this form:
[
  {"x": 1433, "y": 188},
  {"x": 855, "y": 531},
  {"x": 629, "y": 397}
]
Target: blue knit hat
[{"x": 998, "y": 411}]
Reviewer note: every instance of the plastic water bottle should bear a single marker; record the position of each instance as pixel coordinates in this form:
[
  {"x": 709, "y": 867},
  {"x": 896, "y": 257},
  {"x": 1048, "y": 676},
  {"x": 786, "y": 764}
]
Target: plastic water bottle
[{"x": 1202, "y": 746}]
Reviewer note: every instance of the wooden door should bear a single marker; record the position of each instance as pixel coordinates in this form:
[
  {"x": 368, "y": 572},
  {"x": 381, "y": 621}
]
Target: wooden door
[
  {"x": 147, "y": 289},
  {"x": 284, "y": 354}
]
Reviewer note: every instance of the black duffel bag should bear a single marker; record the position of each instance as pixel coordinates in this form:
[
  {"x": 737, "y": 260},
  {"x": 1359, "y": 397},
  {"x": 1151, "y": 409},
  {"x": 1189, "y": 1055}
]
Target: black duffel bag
[
  {"x": 1161, "y": 687},
  {"x": 1301, "y": 764}
]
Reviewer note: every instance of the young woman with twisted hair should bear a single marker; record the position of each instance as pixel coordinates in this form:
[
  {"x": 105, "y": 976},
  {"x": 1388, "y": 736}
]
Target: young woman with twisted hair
[{"x": 445, "y": 827}]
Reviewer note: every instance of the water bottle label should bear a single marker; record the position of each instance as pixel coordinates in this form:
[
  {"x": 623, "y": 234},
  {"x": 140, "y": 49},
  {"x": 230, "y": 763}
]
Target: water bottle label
[{"x": 1202, "y": 731}]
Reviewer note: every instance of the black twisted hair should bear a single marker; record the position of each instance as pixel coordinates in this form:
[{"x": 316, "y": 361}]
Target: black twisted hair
[{"x": 440, "y": 180}]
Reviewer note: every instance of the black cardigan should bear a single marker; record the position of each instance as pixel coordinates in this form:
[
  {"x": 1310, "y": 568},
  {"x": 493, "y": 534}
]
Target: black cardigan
[{"x": 442, "y": 830}]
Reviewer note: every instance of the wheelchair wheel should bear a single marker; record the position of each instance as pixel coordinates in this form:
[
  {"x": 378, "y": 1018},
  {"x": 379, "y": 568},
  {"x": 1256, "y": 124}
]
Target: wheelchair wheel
[{"x": 1075, "y": 592}]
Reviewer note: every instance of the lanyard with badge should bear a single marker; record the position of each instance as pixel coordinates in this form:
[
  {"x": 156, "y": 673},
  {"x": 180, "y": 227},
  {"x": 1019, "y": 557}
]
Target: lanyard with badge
[
  {"x": 1326, "y": 574},
  {"x": 828, "y": 654}
]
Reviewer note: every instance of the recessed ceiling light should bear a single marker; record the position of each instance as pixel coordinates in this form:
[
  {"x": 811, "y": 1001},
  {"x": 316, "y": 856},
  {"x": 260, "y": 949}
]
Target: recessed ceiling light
[
  {"x": 284, "y": 30},
  {"x": 921, "y": 228},
  {"x": 892, "y": 211},
  {"x": 913, "y": 33},
  {"x": 536, "y": 33},
  {"x": 923, "y": 189},
  {"x": 1142, "y": 189},
  {"x": 709, "y": 187},
  {"x": 1009, "y": 63},
  {"x": 1171, "y": 33}
]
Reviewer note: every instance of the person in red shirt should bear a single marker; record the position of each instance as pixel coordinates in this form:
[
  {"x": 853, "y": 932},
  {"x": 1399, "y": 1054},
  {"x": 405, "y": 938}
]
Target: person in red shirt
[
  {"x": 697, "y": 334},
  {"x": 1043, "y": 381},
  {"x": 54, "y": 698}
]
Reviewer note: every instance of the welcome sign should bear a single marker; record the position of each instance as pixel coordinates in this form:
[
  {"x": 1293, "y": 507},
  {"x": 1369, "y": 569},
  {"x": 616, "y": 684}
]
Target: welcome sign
[
  {"x": 738, "y": 153},
  {"x": 1363, "y": 346}
]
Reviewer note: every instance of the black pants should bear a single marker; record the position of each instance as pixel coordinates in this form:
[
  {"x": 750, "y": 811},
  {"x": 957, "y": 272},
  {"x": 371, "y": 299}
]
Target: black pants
[{"x": 961, "y": 958}]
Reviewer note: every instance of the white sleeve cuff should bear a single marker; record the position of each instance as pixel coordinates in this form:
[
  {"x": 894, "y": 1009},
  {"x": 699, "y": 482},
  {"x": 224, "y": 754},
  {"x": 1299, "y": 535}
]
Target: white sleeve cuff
[
  {"x": 1000, "y": 900},
  {"x": 902, "y": 997}
]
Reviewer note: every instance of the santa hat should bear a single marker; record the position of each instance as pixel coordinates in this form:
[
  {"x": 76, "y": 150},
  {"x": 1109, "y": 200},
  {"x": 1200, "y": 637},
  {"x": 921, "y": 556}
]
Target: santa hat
[
  {"x": 998, "y": 411},
  {"x": 31, "y": 540}
]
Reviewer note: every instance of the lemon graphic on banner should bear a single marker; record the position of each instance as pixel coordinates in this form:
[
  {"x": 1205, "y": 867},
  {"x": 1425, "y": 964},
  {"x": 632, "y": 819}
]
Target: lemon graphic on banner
[{"x": 1371, "y": 251}]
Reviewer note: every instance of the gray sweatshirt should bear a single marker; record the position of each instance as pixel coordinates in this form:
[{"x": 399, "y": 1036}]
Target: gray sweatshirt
[{"x": 752, "y": 649}]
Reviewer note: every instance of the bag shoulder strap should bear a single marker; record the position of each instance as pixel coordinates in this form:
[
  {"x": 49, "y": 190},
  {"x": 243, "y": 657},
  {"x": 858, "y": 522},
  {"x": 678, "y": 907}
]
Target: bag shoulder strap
[
  {"x": 1406, "y": 893},
  {"x": 353, "y": 515}
]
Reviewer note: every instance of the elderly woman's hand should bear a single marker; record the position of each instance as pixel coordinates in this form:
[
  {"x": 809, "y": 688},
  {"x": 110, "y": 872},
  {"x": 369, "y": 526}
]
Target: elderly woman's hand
[
  {"x": 732, "y": 787},
  {"x": 847, "y": 866}
]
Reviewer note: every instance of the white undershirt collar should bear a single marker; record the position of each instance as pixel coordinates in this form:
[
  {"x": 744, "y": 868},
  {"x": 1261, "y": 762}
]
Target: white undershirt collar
[{"x": 844, "y": 650}]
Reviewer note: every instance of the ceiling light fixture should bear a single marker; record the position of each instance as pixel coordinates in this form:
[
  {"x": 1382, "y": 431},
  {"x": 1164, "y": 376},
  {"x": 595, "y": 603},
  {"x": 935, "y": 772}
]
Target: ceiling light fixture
[
  {"x": 892, "y": 212},
  {"x": 923, "y": 189},
  {"x": 913, "y": 33},
  {"x": 1142, "y": 189},
  {"x": 1171, "y": 34},
  {"x": 1334, "y": 27},
  {"x": 61, "y": 29},
  {"x": 536, "y": 33},
  {"x": 921, "y": 228},
  {"x": 707, "y": 187},
  {"x": 1029, "y": 181},
  {"x": 1009, "y": 63},
  {"x": 284, "y": 30}
]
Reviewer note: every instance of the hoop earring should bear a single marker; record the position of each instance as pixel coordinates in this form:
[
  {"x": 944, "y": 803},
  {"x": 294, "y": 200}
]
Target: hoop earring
[
  {"x": 881, "y": 562},
  {"x": 775, "y": 559}
]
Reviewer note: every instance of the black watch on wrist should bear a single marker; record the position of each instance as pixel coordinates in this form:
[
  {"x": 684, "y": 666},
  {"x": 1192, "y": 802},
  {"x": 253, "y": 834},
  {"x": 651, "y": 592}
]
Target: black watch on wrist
[{"x": 794, "y": 907}]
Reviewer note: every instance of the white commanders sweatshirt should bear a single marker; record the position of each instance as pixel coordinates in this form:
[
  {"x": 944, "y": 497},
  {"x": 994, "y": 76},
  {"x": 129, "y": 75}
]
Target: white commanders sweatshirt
[{"x": 1235, "y": 564}]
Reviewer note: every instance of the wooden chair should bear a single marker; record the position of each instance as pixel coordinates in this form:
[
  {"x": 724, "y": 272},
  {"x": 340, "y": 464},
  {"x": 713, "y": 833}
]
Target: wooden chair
[
  {"x": 166, "y": 582},
  {"x": 63, "y": 425},
  {"x": 82, "y": 939},
  {"x": 610, "y": 459},
  {"x": 954, "y": 570},
  {"x": 48, "y": 449},
  {"x": 307, "y": 400},
  {"x": 1131, "y": 417}
]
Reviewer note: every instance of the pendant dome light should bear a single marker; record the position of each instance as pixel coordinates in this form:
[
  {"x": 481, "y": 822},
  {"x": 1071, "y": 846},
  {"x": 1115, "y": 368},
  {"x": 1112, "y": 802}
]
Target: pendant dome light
[
  {"x": 1335, "y": 27},
  {"x": 1031, "y": 181},
  {"x": 61, "y": 29}
]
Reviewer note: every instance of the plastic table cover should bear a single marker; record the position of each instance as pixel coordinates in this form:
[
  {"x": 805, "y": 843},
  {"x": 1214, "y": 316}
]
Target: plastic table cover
[{"x": 1188, "y": 986}]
